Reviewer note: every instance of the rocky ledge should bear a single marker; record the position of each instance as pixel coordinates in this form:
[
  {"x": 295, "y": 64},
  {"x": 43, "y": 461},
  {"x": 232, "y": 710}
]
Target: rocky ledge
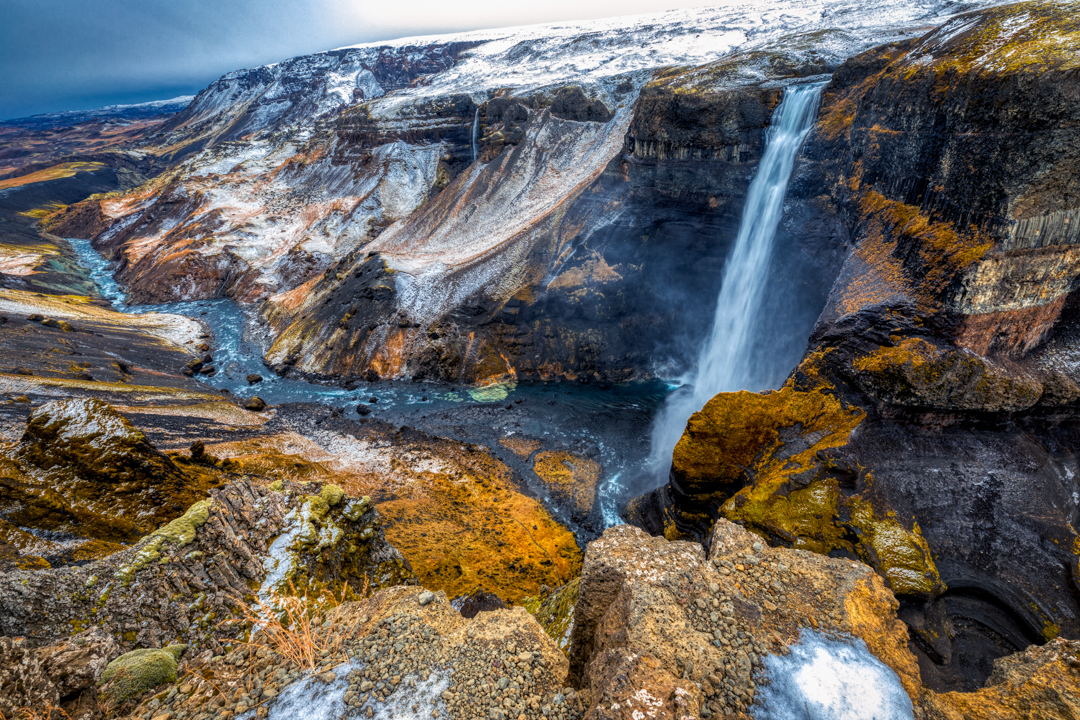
[{"x": 661, "y": 629}]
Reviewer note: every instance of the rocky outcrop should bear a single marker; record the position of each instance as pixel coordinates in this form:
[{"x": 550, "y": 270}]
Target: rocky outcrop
[
  {"x": 245, "y": 539},
  {"x": 401, "y": 650},
  {"x": 431, "y": 492},
  {"x": 59, "y": 679},
  {"x": 955, "y": 484},
  {"x": 83, "y": 469},
  {"x": 1040, "y": 682},
  {"x": 689, "y": 631},
  {"x": 666, "y": 628}
]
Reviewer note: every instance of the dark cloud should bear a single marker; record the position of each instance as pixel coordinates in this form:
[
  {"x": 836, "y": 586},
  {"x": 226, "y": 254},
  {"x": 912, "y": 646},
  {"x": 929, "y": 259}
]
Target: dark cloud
[{"x": 76, "y": 54}]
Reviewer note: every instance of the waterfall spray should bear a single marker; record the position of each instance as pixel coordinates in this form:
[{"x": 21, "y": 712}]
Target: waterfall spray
[{"x": 725, "y": 363}]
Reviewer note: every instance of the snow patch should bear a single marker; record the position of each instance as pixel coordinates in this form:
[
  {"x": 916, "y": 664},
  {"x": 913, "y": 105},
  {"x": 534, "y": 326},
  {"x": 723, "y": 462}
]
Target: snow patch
[
  {"x": 829, "y": 679},
  {"x": 313, "y": 699}
]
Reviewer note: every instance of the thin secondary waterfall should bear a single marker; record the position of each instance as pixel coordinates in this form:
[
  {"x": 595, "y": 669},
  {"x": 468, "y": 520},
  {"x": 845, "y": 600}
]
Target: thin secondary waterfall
[
  {"x": 726, "y": 363},
  {"x": 476, "y": 135}
]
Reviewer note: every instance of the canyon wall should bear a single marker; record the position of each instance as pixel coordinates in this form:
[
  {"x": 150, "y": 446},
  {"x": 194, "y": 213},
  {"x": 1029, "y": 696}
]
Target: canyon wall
[{"x": 930, "y": 426}]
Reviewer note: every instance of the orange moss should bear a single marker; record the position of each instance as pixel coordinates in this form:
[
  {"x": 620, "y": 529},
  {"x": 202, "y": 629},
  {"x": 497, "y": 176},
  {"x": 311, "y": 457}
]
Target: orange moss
[
  {"x": 521, "y": 446},
  {"x": 451, "y": 510},
  {"x": 56, "y": 172},
  {"x": 734, "y": 432},
  {"x": 917, "y": 373},
  {"x": 836, "y": 121},
  {"x": 935, "y": 253},
  {"x": 571, "y": 479}
]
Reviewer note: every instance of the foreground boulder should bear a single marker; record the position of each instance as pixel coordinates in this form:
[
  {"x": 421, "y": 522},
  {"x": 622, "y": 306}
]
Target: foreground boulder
[
  {"x": 185, "y": 580},
  {"x": 663, "y": 628},
  {"x": 692, "y": 630},
  {"x": 135, "y": 672}
]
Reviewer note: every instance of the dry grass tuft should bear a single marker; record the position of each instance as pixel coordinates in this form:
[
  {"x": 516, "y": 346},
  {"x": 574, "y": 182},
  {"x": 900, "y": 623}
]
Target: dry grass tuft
[
  {"x": 49, "y": 712},
  {"x": 296, "y": 627}
]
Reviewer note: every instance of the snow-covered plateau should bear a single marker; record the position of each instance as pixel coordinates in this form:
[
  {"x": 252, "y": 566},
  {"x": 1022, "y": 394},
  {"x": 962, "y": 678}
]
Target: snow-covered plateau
[{"x": 288, "y": 170}]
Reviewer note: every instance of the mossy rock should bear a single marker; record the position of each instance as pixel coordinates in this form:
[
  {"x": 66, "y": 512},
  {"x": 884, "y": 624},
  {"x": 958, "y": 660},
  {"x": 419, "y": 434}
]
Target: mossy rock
[
  {"x": 93, "y": 474},
  {"x": 133, "y": 673},
  {"x": 555, "y": 612},
  {"x": 917, "y": 373}
]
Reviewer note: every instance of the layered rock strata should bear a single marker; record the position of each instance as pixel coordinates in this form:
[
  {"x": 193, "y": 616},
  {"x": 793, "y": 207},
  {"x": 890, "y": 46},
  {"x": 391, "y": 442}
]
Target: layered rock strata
[
  {"x": 183, "y": 581},
  {"x": 920, "y": 432}
]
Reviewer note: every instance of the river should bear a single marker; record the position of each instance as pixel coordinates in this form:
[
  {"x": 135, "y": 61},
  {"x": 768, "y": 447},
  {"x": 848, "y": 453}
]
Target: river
[{"x": 608, "y": 423}]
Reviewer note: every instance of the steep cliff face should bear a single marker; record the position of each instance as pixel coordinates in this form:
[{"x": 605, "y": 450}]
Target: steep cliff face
[
  {"x": 958, "y": 175},
  {"x": 582, "y": 248},
  {"x": 581, "y": 230},
  {"x": 921, "y": 432}
]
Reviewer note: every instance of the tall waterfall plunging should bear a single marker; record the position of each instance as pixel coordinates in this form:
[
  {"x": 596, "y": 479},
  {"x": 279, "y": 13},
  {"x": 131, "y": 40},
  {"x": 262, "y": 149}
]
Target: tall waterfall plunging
[
  {"x": 476, "y": 135},
  {"x": 726, "y": 363}
]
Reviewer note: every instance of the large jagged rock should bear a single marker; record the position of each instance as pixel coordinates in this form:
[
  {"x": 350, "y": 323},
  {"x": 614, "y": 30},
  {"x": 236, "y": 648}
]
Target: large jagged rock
[
  {"x": 691, "y": 630},
  {"x": 184, "y": 580},
  {"x": 770, "y": 461},
  {"x": 664, "y": 627},
  {"x": 411, "y": 654},
  {"x": 89, "y": 472},
  {"x": 62, "y": 676}
]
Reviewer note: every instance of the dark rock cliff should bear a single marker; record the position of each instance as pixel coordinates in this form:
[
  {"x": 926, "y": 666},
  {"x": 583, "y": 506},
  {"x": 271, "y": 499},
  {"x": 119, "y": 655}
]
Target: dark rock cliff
[
  {"x": 618, "y": 282},
  {"x": 926, "y": 431}
]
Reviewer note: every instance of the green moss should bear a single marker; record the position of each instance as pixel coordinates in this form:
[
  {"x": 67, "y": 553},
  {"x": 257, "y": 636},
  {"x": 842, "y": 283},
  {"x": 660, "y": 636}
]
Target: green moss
[
  {"x": 133, "y": 673},
  {"x": 179, "y": 532},
  {"x": 916, "y": 373},
  {"x": 354, "y": 510},
  {"x": 901, "y": 556},
  {"x": 331, "y": 495},
  {"x": 1030, "y": 37},
  {"x": 555, "y": 612}
]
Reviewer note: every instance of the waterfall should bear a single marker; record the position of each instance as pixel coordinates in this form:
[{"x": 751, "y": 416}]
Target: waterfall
[
  {"x": 726, "y": 363},
  {"x": 476, "y": 135}
]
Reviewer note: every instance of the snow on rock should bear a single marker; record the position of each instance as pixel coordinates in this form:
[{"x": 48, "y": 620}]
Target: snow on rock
[
  {"x": 273, "y": 215},
  {"x": 540, "y": 55},
  {"x": 830, "y": 679},
  {"x": 310, "y": 698},
  {"x": 478, "y": 233},
  {"x": 297, "y": 164}
]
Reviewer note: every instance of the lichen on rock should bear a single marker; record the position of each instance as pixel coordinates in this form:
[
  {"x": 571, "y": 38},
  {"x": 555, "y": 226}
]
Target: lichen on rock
[
  {"x": 82, "y": 468},
  {"x": 916, "y": 373}
]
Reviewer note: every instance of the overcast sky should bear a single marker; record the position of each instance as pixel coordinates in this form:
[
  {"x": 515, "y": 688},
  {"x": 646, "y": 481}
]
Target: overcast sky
[{"x": 83, "y": 54}]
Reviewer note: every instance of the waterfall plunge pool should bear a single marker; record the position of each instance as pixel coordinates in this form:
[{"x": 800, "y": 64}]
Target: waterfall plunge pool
[{"x": 609, "y": 424}]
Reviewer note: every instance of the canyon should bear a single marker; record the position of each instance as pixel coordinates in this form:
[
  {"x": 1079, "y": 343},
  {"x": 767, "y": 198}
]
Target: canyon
[{"x": 669, "y": 366}]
